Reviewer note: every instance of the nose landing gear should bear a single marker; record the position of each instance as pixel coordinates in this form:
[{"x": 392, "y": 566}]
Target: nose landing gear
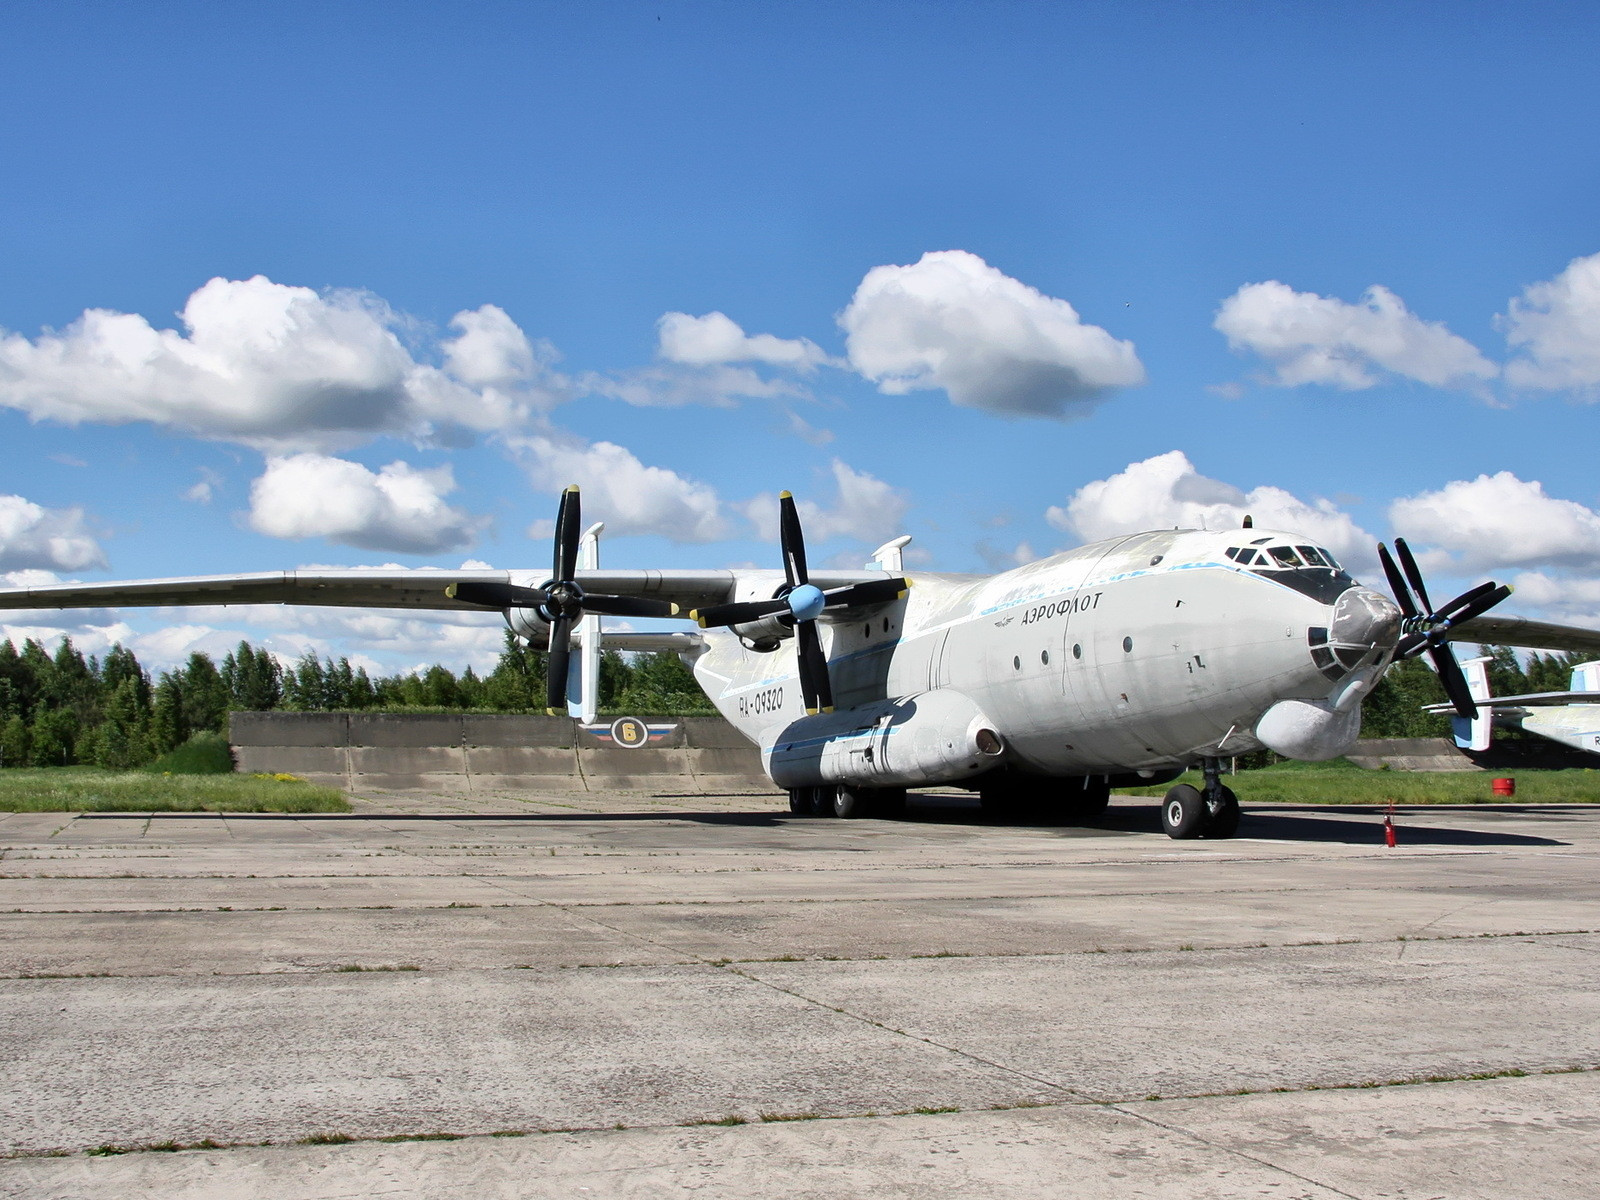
[{"x": 1209, "y": 811}]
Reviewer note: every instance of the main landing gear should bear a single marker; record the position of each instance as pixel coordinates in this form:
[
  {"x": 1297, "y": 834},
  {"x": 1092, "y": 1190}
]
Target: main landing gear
[
  {"x": 1209, "y": 811},
  {"x": 832, "y": 800}
]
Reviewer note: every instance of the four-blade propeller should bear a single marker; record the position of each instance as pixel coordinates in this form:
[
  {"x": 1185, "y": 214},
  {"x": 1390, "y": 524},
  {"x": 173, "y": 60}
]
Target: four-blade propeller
[
  {"x": 799, "y": 604},
  {"x": 1425, "y": 629},
  {"x": 560, "y": 600}
]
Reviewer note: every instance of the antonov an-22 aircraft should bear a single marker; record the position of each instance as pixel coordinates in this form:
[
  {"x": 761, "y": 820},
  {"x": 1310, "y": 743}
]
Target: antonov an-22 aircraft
[{"x": 1118, "y": 664}]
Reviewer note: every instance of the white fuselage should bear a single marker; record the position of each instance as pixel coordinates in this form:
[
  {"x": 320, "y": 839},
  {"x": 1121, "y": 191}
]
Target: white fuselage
[{"x": 1137, "y": 653}]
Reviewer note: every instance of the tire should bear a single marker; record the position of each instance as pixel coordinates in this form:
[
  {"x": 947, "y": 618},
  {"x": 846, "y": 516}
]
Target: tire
[
  {"x": 850, "y": 801},
  {"x": 1183, "y": 812},
  {"x": 822, "y": 800},
  {"x": 1223, "y": 821},
  {"x": 799, "y": 801}
]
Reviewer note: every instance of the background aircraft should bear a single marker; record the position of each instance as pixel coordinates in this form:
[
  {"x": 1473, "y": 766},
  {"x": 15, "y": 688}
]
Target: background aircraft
[
  {"x": 1571, "y": 718},
  {"x": 1119, "y": 663}
]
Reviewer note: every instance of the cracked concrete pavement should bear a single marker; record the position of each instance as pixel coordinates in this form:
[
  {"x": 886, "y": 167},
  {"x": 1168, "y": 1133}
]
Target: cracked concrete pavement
[{"x": 939, "y": 1006}]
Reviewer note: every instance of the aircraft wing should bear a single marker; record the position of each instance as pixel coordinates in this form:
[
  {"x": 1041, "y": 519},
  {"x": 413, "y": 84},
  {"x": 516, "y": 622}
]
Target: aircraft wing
[
  {"x": 1527, "y": 633},
  {"x": 1531, "y": 700},
  {"x": 417, "y": 589}
]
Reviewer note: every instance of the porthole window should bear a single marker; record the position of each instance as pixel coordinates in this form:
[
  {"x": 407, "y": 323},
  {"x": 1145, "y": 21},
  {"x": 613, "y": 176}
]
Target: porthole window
[
  {"x": 1127, "y": 645},
  {"x": 1157, "y": 559},
  {"x": 1044, "y": 657},
  {"x": 1077, "y": 650},
  {"x": 1016, "y": 664},
  {"x": 886, "y": 624},
  {"x": 866, "y": 630}
]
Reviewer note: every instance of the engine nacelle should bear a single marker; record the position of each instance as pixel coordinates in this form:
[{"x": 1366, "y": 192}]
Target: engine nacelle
[
  {"x": 528, "y": 625},
  {"x": 933, "y": 737},
  {"x": 764, "y": 634}
]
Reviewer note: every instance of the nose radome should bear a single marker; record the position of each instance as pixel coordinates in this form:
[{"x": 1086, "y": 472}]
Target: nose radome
[{"x": 1363, "y": 617}]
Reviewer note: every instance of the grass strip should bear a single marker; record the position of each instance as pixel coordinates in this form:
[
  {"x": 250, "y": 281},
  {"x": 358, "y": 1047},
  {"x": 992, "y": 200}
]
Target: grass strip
[{"x": 87, "y": 789}]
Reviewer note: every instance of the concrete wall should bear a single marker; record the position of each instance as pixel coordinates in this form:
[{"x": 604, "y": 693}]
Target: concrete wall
[{"x": 480, "y": 752}]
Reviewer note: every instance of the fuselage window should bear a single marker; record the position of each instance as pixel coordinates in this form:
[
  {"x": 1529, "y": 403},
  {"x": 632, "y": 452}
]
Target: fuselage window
[
  {"x": 1044, "y": 657},
  {"x": 1077, "y": 650},
  {"x": 1016, "y": 664},
  {"x": 1127, "y": 645}
]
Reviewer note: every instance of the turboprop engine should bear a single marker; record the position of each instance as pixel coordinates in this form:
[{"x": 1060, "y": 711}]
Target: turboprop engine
[
  {"x": 530, "y": 625},
  {"x": 929, "y": 737}
]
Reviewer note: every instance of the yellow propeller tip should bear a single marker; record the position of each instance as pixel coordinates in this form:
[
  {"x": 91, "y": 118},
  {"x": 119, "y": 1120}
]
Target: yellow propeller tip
[
  {"x": 572, "y": 487},
  {"x": 676, "y": 610},
  {"x": 555, "y": 712},
  {"x": 785, "y": 495},
  {"x": 451, "y": 591},
  {"x": 828, "y": 709}
]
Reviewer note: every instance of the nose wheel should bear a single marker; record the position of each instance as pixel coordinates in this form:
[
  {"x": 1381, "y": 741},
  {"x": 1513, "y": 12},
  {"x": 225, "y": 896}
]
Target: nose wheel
[{"x": 1210, "y": 811}]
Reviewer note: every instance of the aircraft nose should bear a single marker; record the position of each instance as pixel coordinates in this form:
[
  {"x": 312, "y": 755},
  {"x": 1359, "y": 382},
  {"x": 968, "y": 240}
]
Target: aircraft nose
[{"x": 1363, "y": 617}]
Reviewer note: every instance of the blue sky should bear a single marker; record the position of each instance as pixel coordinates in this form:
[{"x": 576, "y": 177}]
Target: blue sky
[{"x": 1106, "y": 191}]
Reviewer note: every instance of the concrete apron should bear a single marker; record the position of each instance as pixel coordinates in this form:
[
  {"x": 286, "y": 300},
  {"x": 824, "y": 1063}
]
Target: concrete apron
[{"x": 657, "y": 965}]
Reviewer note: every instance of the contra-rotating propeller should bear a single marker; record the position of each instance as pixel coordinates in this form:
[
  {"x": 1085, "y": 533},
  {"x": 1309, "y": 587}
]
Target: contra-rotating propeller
[
  {"x": 799, "y": 604},
  {"x": 1425, "y": 629},
  {"x": 560, "y": 600}
]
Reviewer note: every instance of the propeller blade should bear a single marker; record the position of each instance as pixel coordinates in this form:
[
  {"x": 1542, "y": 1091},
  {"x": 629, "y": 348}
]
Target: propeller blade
[
  {"x": 1475, "y": 603},
  {"x": 1454, "y": 681},
  {"x": 569, "y": 530},
  {"x": 496, "y": 595},
  {"x": 737, "y": 613},
  {"x": 815, "y": 686},
  {"x": 627, "y": 606},
  {"x": 878, "y": 591},
  {"x": 1412, "y": 573},
  {"x": 792, "y": 541},
  {"x": 555, "y": 681},
  {"x": 1397, "y": 583}
]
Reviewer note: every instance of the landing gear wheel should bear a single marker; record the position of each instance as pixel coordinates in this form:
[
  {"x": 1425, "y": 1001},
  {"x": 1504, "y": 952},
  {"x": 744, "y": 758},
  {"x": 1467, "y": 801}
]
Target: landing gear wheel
[
  {"x": 822, "y": 800},
  {"x": 851, "y": 801},
  {"x": 800, "y": 801},
  {"x": 1222, "y": 815},
  {"x": 1183, "y": 812}
]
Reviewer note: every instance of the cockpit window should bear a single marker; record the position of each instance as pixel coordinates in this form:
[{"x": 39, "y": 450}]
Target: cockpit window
[
  {"x": 1313, "y": 556},
  {"x": 1285, "y": 556}
]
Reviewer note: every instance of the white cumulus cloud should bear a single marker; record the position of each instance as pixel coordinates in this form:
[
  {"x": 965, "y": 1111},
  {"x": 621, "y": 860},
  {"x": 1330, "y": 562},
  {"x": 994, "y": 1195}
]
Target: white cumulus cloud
[
  {"x": 864, "y": 508},
  {"x": 397, "y": 508},
  {"x": 1166, "y": 492},
  {"x": 45, "y": 539},
  {"x": 630, "y": 497},
  {"x": 952, "y": 321},
  {"x": 716, "y": 338},
  {"x": 1323, "y": 340},
  {"x": 1556, "y": 327},
  {"x": 278, "y": 367},
  {"x": 1499, "y": 520}
]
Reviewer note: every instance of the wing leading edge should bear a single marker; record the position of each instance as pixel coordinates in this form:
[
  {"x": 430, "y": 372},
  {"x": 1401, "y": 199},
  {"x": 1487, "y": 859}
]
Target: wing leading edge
[
  {"x": 1527, "y": 633},
  {"x": 413, "y": 589}
]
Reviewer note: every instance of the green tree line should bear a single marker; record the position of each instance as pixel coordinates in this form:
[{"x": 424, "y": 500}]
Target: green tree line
[{"x": 61, "y": 708}]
